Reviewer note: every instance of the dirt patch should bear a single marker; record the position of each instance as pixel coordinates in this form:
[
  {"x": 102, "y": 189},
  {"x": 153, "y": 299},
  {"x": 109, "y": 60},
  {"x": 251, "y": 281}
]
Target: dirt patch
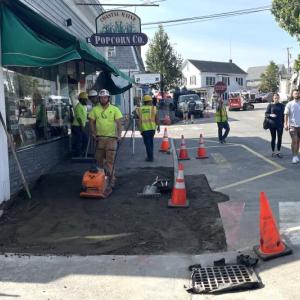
[{"x": 57, "y": 221}]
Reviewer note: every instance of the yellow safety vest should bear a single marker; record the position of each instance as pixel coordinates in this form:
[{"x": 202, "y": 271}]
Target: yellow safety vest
[
  {"x": 147, "y": 115},
  {"x": 221, "y": 115}
]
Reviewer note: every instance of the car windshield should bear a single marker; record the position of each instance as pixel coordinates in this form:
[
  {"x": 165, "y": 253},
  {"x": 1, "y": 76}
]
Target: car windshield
[{"x": 188, "y": 98}]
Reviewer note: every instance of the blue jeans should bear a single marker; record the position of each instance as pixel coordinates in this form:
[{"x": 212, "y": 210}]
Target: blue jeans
[
  {"x": 148, "y": 137},
  {"x": 79, "y": 141},
  {"x": 221, "y": 126}
]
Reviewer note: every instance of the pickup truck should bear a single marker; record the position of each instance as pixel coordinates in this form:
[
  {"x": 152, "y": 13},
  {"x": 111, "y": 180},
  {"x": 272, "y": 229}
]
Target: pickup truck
[{"x": 187, "y": 99}]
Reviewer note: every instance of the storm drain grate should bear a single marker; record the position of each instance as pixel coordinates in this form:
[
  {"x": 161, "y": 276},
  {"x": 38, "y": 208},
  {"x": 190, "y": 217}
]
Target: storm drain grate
[{"x": 223, "y": 278}]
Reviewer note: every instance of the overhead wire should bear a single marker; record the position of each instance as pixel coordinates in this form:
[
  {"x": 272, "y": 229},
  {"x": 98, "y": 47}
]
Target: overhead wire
[{"x": 185, "y": 21}]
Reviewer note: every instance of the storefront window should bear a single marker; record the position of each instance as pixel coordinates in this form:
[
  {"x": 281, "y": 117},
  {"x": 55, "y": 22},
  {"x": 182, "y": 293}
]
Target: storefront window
[{"x": 37, "y": 104}]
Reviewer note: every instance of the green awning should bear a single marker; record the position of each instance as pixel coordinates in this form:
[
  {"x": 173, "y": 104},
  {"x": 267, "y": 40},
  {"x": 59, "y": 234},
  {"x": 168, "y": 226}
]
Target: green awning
[
  {"x": 22, "y": 47},
  {"x": 29, "y": 40}
]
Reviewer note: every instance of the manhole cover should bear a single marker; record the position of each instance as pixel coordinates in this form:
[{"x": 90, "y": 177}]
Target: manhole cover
[{"x": 223, "y": 278}]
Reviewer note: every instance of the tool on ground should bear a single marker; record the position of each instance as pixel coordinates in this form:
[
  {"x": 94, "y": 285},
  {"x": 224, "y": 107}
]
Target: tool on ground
[
  {"x": 160, "y": 185},
  {"x": 183, "y": 153},
  {"x": 201, "y": 154},
  {"x": 271, "y": 245},
  {"x": 179, "y": 198},
  {"x": 12, "y": 147},
  {"x": 165, "y": 145}
]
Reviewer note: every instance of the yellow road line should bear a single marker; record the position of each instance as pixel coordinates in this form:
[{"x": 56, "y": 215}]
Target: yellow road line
[{"x": 247, "y": 180}]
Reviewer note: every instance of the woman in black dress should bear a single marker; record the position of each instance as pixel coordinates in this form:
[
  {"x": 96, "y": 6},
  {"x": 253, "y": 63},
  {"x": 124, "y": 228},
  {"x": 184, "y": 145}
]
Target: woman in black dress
[{"x": 275, "y": 114}]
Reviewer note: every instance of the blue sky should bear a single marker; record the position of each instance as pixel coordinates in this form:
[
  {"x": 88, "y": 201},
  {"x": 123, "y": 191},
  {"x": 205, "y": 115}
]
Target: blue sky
[{"x": 255, "y": 39}]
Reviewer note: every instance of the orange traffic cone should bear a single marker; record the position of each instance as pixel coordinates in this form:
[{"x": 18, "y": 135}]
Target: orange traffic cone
[
  {"x": 271, "y": 245},
  {"x": 167, "y": 120},
  {"x": 183, "y": 153},
  {"x": 201, "y": 150},
  {"x": 179, "y": 192},
  {"x": 165, "y": 145}
]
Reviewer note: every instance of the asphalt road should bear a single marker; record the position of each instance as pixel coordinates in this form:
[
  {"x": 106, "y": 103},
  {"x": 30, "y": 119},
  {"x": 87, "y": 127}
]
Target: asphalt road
[
  {"x": 244, "y": 167},
  {"x": 241, "y": 169}
]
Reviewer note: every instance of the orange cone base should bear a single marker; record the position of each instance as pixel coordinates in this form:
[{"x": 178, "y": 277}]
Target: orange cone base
[
  {"x": 187, "y": 158},
  {"x": 185, "y": 205},
  {"x": 201, "y": 157},
  {"x": 264, "y": 256},
  {"x": 165, "y": 151}
]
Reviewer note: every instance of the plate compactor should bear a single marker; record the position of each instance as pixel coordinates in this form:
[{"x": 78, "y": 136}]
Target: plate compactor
[{"x": 95, "y": 184}]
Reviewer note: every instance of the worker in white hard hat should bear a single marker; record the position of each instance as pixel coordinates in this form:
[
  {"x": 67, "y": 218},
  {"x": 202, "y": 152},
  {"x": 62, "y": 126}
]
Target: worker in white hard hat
[
  {"x": 148, "y": 123},
  {"x": 93, "y": 97},
  {"x": 106, "y": 128}
]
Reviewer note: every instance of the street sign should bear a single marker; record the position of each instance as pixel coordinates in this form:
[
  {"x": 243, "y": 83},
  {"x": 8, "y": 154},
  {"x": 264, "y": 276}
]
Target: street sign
[
  {"x": 147, "y": 78},
  {"x": 220, "y": 87},
  {"x": 118, "y": 39}
]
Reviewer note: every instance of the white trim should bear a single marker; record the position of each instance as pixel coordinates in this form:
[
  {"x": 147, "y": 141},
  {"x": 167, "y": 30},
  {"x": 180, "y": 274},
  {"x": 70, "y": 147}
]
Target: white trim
[{"x": 4, "y": 170}]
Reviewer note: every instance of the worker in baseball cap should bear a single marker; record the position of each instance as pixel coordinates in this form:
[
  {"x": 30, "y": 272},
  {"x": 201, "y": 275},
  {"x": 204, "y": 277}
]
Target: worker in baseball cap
[
  {"x": 148, "y": 123},
  {"x": 93, "y": 97},
  {"x": 106, "y": 128},
  {"x": 79, "y": 137}
]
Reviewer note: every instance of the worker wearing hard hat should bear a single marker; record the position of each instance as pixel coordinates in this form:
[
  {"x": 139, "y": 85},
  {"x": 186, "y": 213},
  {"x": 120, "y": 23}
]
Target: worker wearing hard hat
[
  {"x": 148, "y": 123},
  {"x": 79, "y": 137},
  {"x": 106, "y": 128},
  {"x": 93, "y": 99}
]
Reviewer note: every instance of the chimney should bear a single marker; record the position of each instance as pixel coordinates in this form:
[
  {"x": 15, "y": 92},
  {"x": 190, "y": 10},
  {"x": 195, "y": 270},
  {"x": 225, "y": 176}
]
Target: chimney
[{"x": 230, "y": 60}]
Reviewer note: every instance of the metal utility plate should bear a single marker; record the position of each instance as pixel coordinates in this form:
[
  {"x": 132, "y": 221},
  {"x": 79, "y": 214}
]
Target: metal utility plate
[{"x": 212, "y": 280}]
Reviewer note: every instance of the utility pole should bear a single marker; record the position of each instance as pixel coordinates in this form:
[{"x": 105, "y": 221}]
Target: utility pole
[{"x": 289, "y": 57}]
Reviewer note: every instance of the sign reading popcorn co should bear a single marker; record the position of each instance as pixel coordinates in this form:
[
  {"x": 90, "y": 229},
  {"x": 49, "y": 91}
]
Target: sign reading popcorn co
[{"x": 118, "y": 28}]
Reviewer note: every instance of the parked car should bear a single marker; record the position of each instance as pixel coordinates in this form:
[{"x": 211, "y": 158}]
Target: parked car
[
  {"x": 267, "y": 97},
  {"x": 188, "y": 98}
]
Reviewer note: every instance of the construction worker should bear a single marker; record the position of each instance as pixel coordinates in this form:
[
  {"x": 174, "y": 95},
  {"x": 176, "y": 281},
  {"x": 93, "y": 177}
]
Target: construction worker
[
  {"x": 148, "y": 120},
  {"x": 79, "y": 137},
  {"x": 106, "y": 128},
  {"x": 93, "y": 99},
  {"x": 221, "y": 118}
]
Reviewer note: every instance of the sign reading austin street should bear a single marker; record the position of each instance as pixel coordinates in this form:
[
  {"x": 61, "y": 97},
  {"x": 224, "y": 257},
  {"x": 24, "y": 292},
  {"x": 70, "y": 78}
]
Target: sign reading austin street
[
  {"x": 118, "y": 28},
  {"x": 118, "y": 39}
]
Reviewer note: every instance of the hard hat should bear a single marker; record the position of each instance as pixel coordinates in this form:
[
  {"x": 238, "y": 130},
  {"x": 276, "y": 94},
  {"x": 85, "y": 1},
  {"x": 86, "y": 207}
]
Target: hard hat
[
  {"x": 83, "y": 95},
  {"x": 93, "y": 93},
  {"x": 147, "y": 98},
  {"x": 104, "y": 93}
]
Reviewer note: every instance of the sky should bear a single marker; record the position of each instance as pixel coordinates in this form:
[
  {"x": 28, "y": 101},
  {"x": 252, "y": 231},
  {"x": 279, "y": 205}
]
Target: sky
[{"x": 255, "y": 39}]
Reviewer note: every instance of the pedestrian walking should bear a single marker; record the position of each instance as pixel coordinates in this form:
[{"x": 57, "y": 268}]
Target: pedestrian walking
[
  {"x": 148, "y": 121},
  {"x": 79, "y": 136},
  {"x": 185, "y": 112},
  {"x": 275, "y": 115},
  {"x": 106, "y": 129},
  {"x": 292, "y": 123},
  {"x": 192, "y": 110},
  {"x": 221, "y": 118}
]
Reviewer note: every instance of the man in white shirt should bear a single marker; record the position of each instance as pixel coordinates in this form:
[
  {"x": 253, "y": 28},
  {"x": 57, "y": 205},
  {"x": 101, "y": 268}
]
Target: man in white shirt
[{"x": 292, "y": 123}]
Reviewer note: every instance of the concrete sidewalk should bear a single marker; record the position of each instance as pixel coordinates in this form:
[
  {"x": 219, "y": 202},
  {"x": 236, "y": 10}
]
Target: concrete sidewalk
[{"x": 133, "y": 277}]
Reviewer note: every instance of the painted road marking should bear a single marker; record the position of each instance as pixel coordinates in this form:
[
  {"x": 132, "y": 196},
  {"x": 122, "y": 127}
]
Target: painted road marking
[
  {"x": 289, "y": 213},
  {"x": 220, "y": 160},
  {"x": 231, "y": 214},
  {"x": 278, "y": 167}
]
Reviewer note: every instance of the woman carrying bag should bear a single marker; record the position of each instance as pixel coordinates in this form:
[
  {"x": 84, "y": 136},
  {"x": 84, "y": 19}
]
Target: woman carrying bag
[{"x": 275, "y": 118}]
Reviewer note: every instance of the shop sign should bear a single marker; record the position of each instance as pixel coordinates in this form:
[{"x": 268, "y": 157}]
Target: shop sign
[
  {"x": 147, "y": 78},
  {"x": 118, "y": 28},
  {"x": 118, "y": 39}
]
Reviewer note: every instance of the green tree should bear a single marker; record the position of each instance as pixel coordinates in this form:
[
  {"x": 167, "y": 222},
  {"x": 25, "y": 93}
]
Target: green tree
[
  {"x": 297, "y": 64},
  {"x": 161, "y": 58},
  {"x": 287, "y": 14},
  {"x": 270, "y": 79}
]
